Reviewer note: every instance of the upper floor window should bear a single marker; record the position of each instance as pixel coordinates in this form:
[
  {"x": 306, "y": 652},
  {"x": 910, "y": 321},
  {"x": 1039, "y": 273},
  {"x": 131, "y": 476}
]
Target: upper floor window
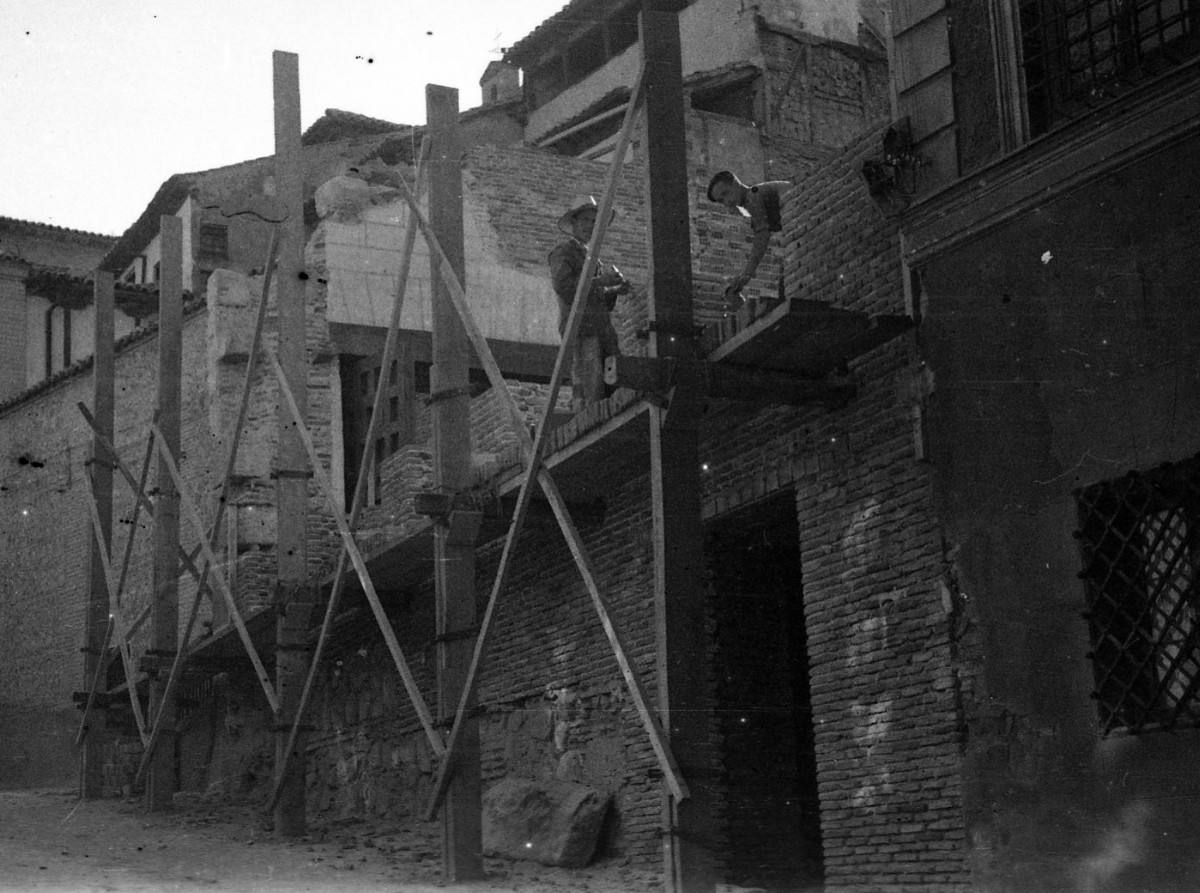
[
  {"x": 1079, "y": 54},
  {"x": 1140, "y": 537},
  {"x": 214, "y": 241}
]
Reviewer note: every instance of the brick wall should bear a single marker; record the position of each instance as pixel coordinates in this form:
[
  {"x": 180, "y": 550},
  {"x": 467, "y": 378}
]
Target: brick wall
[
  {"x": 882, "y": 667},
  {"x": 564, "y": 709}
]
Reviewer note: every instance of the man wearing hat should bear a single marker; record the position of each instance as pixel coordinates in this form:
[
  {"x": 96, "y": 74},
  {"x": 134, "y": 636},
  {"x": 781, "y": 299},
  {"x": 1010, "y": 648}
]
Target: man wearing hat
[
  {"x": 761, "y": 204},
  {"x": 596, "y": 338}
]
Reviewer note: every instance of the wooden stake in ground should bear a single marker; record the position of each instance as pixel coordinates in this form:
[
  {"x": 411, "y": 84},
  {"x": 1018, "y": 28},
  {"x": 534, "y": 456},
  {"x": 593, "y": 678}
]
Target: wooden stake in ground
[
  {"x": 684, "y": 674},
  {"x": 162, "y": 781},
  {"x": 454, "y": 537},
  {"x": 294, "y": 597},
  {"x": 99, "y": 623}
]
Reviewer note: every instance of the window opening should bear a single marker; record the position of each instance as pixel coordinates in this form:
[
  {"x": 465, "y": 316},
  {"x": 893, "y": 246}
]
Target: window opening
[
  {"x": 736, "y": 100},
  {"x": 214, "y": 241},
  {"x": 1140, "y": 541},
  {"x": 1080, "y": 54}
]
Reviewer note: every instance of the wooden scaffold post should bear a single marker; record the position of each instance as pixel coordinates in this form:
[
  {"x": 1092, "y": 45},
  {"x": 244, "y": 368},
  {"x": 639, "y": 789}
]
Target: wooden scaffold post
[
  {"x": 454, "y": 539},
  {"x": 294, "y": 596},
  {"x": 684, "y": 663},
  {"x": 162, "y": 778},
  {"x": 91, "y": 776}
]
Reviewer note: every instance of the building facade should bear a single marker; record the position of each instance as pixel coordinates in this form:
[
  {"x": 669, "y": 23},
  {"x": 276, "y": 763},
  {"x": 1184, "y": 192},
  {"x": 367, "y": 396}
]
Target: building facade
[
  {"x": 1053, "y": 197},
  {"x": 949, "y": 612}
]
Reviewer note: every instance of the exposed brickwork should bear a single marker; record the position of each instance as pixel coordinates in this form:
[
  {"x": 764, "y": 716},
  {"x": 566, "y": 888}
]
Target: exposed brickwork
[
  {"x": 548, "y": 640},
  {"x": 884, "y": 684},
  {"x": 840, "y": 247}
]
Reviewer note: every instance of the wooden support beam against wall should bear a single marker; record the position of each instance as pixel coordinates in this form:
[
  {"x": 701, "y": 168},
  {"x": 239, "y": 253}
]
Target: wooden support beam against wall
[
  {"x": 454, "y": 541},
  {"x": 294, "y": 597},
  {"x": 117, "y": 624},
  {"x": 162, "y": 779},
  {"x": 99, "y": 621},
  {"x": 685, "y": 699}
]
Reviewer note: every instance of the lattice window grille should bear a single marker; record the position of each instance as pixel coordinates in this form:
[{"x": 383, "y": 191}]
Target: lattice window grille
[
  {"x": 1079, "y": 54},
  {"x": 1140, "y": 541}
]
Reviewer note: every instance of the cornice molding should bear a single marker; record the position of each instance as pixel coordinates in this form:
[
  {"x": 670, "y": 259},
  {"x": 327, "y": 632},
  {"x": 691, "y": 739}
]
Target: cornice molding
[{"x": 1137, "y": 125}]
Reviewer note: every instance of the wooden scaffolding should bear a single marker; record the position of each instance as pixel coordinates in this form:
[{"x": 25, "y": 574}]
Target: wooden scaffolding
[{"x": 791, "y": 355}]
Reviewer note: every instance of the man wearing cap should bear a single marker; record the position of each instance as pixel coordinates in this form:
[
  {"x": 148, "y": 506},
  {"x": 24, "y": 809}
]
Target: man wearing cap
[
  {"x": 596, "y": 337},
  {"x": 760, "y": 203}
]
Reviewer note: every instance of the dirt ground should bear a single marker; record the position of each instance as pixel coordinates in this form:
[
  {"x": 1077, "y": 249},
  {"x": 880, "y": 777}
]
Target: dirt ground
[{"x": 52, "y": 841}]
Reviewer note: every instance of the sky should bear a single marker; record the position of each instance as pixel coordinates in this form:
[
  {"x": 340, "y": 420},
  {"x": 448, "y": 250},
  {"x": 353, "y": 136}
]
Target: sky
[{"x": 103, "y": 100}]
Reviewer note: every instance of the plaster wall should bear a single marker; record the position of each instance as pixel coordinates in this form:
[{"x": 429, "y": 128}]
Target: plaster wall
[
  {"x": 83, "y": 337},
  {"x": 364, "y": 261},
  {"x": 1063, "y": 345}
]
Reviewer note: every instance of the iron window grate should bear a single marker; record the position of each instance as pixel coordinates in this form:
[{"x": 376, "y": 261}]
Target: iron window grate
[
  {"x": 1080, "y": 54},
  {"x": 1140, "y": 543}
]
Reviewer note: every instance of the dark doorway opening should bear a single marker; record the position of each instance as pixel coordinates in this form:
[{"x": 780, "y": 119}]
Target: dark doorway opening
[{"x": 764, "y": 709}]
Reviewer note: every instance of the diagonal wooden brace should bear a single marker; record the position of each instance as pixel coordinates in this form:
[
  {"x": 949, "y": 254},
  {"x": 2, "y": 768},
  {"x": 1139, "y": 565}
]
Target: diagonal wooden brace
[
  {"x": 360, "y": 566},
  {"x": 189, "y": 509},
  {"x": 133, "y": 523},
  {"x": 101, "y": 666},
  {"x": 115, "y": 614},
  {"x": 139, "y": 494}
]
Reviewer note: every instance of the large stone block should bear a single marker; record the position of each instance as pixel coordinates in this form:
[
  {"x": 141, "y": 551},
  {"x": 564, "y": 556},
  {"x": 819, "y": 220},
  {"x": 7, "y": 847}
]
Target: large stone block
[{"x": 552, "y": 822}]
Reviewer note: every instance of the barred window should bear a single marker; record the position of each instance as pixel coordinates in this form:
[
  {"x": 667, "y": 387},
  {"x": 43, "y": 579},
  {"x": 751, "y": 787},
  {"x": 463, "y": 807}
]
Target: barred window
[
  {"x": 1140, "y": 541},
  {"x": 1079, "y": 54}
]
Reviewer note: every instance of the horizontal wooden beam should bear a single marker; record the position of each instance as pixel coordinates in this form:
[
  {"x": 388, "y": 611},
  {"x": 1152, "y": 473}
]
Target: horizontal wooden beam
[{"x": 658, "y": 375}]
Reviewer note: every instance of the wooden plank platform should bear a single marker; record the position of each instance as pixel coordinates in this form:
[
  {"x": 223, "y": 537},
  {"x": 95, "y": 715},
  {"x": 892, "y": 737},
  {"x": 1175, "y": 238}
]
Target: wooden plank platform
[{"x": 807, "y": 337}]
